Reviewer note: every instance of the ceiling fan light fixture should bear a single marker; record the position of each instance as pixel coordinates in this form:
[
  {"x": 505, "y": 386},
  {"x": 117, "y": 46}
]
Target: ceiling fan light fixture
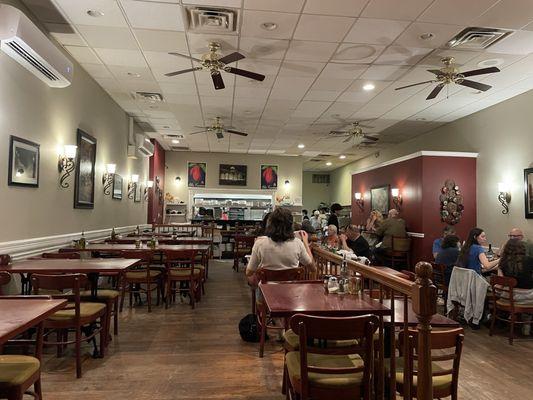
[
  {"x": 342, "y": 156},
  {"x": 368, "y": 87},
  {"x": 491, "y": 62},
  {"x": 269, "y": 26}
]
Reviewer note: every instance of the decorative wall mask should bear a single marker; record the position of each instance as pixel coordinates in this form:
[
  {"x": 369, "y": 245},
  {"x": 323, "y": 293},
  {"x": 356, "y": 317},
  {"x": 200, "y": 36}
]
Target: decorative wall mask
[{"x": 451, "y": 203}]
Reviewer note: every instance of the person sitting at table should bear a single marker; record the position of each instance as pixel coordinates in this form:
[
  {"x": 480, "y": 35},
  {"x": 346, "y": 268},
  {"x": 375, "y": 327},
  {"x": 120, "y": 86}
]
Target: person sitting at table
[
  {"x": 515, "y": 233},
  {"x": 516, "y": 264},
  {"x": 392, "y": 226},
  {"x": 260, "y": 231},
  {"x": 448, "y": 230},
  {"x": 472, "y": 255},
  {"x": 352, "y": 240},
  {"x": 308, "y": 227},
  {"x": 448, "y": 254},
  {"x": 374, "y": 221},
  {"x": 332, "y": 239}
]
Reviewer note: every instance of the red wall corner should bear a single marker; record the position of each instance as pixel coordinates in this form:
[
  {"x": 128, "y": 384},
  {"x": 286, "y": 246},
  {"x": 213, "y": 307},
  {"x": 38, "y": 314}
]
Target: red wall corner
[{"x": 156, "y": 195}]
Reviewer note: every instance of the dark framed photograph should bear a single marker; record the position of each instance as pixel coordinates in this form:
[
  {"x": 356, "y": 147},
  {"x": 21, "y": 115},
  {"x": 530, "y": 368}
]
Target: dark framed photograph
[
  {"x": 137, "y": 194},
  {"x": 528, "y": 192},
  {"x": 379, "y": 198},
  {"x": 24, "y": 157},
  {"x": 196, "y": 173},
  {"x": 269, "y": 176},
  {"x": 117, "y": 186},
  {"x": 85, "y": 160},
  {"x": 233, "y": 175}
]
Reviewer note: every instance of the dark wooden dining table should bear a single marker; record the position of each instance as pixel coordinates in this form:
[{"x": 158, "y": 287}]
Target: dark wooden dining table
[
  {"x": 164, "y": 239},
  {"x": 437, "y": 321},
  {"x": 118, "y": 247},
  {"x": 19, "y": 314}
]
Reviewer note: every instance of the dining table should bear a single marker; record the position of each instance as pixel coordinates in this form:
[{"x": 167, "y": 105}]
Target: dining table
[{"x": 163, "y": 239}]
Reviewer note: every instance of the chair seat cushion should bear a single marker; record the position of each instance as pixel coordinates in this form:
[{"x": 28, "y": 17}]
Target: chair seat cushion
[
  {"x": 326, "y": 381},
  {"x": 440, "y": 382},
  {"x": 184, "y": 272},
  {"x": 102, "y": 294},
  {"x": 86, "y": 310},
  {"x": 142, "y": 274},
  {"x": 292, "y": 341},
  {"x": 15, "y": 369}
]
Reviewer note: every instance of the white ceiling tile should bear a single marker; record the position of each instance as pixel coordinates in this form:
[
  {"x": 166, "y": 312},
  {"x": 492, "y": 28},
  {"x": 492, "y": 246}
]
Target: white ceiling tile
[
  {"x": 300, "y": 69},
  {"x": 265, "y": 67},
  {"x": 109, "y": 84},
  {"x": 509, "y": 14},
  {"x": 292, "y": 6},
  {"x": 300, "y": 50},
  {"x": 252, "y": 21},
  {"x": 407, "y": 10},
  {"x": 77, "y": 14},
  {"x": 384, "y": 72},
  {"x": 357, "y": 53},
  {"x": 65, "y": 34},
  {"x": 199, "y": 43},
  {"x": 250, "y": 92},
  {"x": 350, "y": 8},
  {"x": 375, "y": 31},
  {"x": 165, "y": 60},
  {"x": 442, "y": 34},
  {"x": 163, "y": 41},
  {"x": 131, "y": 73},
  {"x": 322, "y": 95},
  {"x": 520, "y": 42},
  {"x": 219, "y": 3},
  {"x": 258, "y": 48},
  {"x": 435, "y": 58},
  {"x": 108, "y": 37},
  {"x": 154, "y": 15},
  {"x": 127, "y": 58},
  {"x": 83, "y": 55},
  {"x": 400, "y": 55},
  {"x": 456, "y": 11},
  {"x": 332, "y": 29},
  {"x": 343, "y": 71},
  {"x": 325, "y": 83},
  {"x": 97, "y": 70}
]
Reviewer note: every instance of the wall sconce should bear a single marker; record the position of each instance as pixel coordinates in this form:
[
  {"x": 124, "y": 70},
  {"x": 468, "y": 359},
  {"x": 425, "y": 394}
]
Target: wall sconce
[
  {"x": 504, "y": 197},
  {"x": 132, "y": 185},
  {"x": 177, "y": 180},
  {"x": 66, "y": 164},
  {"x": 396, "y": 198},
  {"x": 359, "y": 201},
  {"x": 149, "y": 185},
  {"x": 287, "y": 182},
  {"x": 107, "y": 178}
]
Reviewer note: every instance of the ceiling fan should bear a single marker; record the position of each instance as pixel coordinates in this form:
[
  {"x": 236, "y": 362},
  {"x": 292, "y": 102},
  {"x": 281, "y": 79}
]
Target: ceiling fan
[
  {"x": 219, "y": 129},
  {"x": 450, "y": 74},
  {"x": 355, "y": 132},
  {"x": 214, "y": 63}
]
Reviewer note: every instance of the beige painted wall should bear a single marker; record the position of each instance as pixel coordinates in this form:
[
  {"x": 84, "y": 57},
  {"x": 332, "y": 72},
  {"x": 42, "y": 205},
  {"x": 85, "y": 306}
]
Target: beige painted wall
[
  {"x": 314, "y": 193},
  {"x": 503, "y": 137},
  {"x": 32, "y": 110},
  {"x": 289, "y": 168}
]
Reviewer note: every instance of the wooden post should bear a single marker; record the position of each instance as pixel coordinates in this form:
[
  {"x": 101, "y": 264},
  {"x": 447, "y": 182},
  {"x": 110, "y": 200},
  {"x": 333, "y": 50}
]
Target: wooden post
[{"x": 425, "y": 306}]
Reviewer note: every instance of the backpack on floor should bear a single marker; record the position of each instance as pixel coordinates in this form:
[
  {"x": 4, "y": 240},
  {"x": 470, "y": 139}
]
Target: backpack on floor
[{"x": 249, "y": 328}]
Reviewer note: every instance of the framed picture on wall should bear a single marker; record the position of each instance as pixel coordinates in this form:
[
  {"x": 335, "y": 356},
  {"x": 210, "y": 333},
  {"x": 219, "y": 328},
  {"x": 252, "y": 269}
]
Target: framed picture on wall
[
  {"x": 85, "y": 160},
  {"x": 379, "y": 198},
  {"x": 117, "y": 186},
  {"x": 196, "y": 173},
  {"x": 137, "y": 193},
  {"x": 23, "y": 169},
  {"x": 528, "y": 192},
  {"x": 234, "y": 175},
  {"x": 269, "y": 176}
]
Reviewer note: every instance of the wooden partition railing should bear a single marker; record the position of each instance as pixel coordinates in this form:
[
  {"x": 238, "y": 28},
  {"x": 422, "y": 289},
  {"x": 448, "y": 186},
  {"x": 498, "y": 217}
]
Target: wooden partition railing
[
  {"x": 420, "y": 295},
  {"x": 193, "y": 229}
]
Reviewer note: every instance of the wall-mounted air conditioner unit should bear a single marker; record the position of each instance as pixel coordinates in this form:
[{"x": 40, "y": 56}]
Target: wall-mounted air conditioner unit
[
  {"x": 144, "y": 146},
  {"x": 26, "y": 44}
]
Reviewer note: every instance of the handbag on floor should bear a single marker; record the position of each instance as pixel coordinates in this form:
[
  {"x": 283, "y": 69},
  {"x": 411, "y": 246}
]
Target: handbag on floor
[{"x": 249, "y": 328}]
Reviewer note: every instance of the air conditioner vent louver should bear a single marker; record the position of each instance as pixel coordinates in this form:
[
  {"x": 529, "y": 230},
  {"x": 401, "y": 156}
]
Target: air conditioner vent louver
[
  {"x": 320, "y": 178},
  {"x": 174, "y": 136},
  {"x": 180, "y": 148},
  {"x": 150, "y": 97},
  {"x": 212, "y": 20},
  {"x": 32, "y": 60},
  {"x": 146, "y": 127},
  {"x": 477, "y": 38}
]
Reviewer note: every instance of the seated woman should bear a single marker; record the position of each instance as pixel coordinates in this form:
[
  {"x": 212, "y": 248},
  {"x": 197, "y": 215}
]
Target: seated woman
[
  {"x": 472, "y": 255},
  {"x": 514, "y": 263},
  {"x": 374, "y": 221},
  {"x": 332, "y": 239},
  {"x": 447, "y": 255}
]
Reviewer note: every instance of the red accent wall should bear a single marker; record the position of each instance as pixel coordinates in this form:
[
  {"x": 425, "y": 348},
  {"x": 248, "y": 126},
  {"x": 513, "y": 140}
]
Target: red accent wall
[
  {"x": 420, "y": 180},
  {"x": 156, "y": 195}
]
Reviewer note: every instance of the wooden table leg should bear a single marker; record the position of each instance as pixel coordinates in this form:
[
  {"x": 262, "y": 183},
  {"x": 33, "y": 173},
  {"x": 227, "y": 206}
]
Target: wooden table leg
[{"x": 263, "y": 329}]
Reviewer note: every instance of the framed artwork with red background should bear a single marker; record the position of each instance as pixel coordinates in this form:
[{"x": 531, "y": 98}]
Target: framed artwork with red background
[
  {"x": 196, "y": 174},
  {"x": 269, "y": 176}
]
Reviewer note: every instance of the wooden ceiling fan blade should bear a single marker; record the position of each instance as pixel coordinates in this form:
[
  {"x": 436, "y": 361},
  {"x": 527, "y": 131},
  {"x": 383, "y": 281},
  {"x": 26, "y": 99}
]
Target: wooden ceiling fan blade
[
  {"x": 245, "y": 73},
  {"x": 475, "y": 85},
  {"x": 372, "y": 138},
  {"x": 218, "y": 81},
  {"x": 435, "y": 92},
  {"x": 338, "y": 132},
  {"x": 481, "y": 71},
  {"x": 414, "y": 84},
  {"x": 183, "y": 71},
  {"x": 366, "y": 126},
  {"x": 434, "y": 71},
  {"x": 347, "y": 139},
  {"x": 194, "y": 133},
  {"x": 172, "y": 53},
  {"x": 236, "y": 132},
  {"x": 231, "y": 58}
]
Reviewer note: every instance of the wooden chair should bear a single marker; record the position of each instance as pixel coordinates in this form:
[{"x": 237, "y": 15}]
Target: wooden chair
[
  {"x": 5, "y": 278},
  {"x": 141, "y": 274},
  {"x": 243, "y": 247},
  {"x": 400, "y": 252},
  {"x": 439, "y": 280},
  {"x": 181, "y": 271},
  {"x": 503, "y": 300},
  {"x": 63, "y": 256},
  {"x": 19, "y": 372},
  {"x": 445, "y": 363},
  {"x": 323, "y": 372},
  {"x": 5, "y": 259},
  {"x": 76, "y": 316}
]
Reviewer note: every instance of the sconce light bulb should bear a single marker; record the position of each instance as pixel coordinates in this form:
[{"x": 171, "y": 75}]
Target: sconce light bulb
[
  {"x": 395, "y": 192},
  {"x": 357, "y": 196},
  {"x": 503, "y": 187},
  {"x": 70, "y": 150},
  {"x": 135, "y": 178},
  {"x": 149, "y": 184},
  {"x": 111, "y": 168}
]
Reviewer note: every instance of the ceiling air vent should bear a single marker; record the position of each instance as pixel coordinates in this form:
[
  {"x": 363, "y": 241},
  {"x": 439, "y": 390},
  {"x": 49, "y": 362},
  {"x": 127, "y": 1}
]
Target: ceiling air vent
[
  {"x": 476, "y": 38},
  {"x": 146, "y": 126},
  {"x": 179, "y": 148},
  {"x": 148, "y": 96},
  {"x": 174, "y": 136},
  {"x": 212, "y": 20},
  {"x": 320, "y": 178}
]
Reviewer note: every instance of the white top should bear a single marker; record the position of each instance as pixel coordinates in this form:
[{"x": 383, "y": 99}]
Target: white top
[{"x": 284, "y": 255}]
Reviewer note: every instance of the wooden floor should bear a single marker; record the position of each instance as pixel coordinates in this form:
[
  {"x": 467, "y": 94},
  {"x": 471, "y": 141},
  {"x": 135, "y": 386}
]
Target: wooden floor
[{"x": 181, "y": 353}]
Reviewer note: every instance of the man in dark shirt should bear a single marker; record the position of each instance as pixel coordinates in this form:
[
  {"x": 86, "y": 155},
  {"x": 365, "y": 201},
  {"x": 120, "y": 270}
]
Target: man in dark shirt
[{"x": 352, "y": 240}]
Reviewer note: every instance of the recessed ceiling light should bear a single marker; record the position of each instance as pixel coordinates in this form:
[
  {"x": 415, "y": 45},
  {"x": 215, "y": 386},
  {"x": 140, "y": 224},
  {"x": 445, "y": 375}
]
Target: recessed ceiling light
[
  {"x": 342, "y": 156},
  {"x": 329, "y": 163},
  {"x": 134, "y": 74},
  {"x": 95, "y": 13},
  {"x": 369, "y": 86},
  {"x": 427, "y": 36},
  {"x": 269, "y": 26},
  {"x": 301, "y": 146},
  {"x": 166, "y": 127},
  {"x": 491, "y": 62},
  {"x": 175, "y": 141},
  {"x": 420, "y": 119}
]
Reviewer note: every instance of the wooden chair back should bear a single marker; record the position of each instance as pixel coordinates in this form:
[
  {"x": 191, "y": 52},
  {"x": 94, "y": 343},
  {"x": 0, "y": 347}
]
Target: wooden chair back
[
  {"x": 244, "y": 244},
  {"x": 5, "y": 259},
  {"x": 439, "y": 280},
  {"x": 180, "y": 259},
  {"x": 68, "y": 256},
  {"x": 265, "y": 275},
  {"x": 401, "y": 244},
  {"x": 502, "y": 288},
  {"x": 359, "y": 329},
  {"x": 5, "y": 278}
]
